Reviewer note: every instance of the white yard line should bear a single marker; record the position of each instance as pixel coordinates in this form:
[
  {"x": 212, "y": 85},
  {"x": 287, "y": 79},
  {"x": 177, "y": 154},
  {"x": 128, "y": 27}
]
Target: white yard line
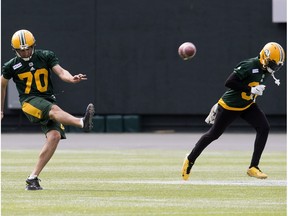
[{"x": 258, "y": 183}]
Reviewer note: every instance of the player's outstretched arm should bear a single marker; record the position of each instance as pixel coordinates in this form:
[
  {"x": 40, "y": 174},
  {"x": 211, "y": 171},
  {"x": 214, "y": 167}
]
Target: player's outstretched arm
[{"x": 66, "y": 76}]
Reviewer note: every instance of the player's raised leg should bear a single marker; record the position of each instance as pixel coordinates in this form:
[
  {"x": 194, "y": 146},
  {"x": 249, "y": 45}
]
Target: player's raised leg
[{"x": 59, "y": 115}]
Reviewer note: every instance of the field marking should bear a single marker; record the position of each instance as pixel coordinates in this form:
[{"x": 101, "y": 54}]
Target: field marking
[{"x": 258, "y": 183}]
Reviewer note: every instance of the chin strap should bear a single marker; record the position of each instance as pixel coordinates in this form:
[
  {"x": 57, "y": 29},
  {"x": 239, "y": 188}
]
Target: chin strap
[{"x": 277, "y": 81}]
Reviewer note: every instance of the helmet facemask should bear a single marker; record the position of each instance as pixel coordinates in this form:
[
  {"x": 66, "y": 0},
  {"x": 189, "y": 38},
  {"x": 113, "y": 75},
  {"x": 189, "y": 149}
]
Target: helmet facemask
[
  {"x": 272, "y": 66},
  {"x": 25, "y": 58}
]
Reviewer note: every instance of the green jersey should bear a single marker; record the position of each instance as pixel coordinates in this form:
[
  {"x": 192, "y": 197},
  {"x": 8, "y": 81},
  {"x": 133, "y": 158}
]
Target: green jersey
[
  {"x": 250, "y": 72},
  {"x": 32, "y": 78}
]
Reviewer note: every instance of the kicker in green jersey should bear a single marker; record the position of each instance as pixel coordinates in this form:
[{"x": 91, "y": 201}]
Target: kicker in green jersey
[{"x": 32, "y": 78}]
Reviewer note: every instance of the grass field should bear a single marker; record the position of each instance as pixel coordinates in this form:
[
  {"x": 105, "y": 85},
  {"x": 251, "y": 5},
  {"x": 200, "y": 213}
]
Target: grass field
[{"x": 143, "y": 182}]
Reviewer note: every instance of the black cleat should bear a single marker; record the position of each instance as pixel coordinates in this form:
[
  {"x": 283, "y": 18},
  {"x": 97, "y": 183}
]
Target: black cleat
[
  {"x": 33, "y": 184},
  {"x": 87, "y": 120}
]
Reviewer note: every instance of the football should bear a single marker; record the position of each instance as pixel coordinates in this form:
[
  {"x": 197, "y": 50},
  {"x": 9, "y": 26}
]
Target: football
[{"x": 187, "y": 50}]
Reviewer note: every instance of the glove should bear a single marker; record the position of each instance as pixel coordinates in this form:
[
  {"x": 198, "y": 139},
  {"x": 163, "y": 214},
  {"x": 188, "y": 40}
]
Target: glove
[
  {"x": 258, "y": 90},
  {"x": 212, "y": 115}
]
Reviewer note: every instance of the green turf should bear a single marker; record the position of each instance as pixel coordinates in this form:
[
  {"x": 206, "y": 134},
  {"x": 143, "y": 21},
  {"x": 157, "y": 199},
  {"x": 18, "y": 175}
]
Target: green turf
[{"x": 142, "y": 182}]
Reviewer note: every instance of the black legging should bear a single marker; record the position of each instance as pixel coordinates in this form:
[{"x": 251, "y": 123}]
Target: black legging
[{"x": 253, "y": 115}]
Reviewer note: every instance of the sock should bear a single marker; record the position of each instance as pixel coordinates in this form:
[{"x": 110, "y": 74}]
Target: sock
[
  {"x": 82, "y": 122},
  {"x": 32, "y": 177}
]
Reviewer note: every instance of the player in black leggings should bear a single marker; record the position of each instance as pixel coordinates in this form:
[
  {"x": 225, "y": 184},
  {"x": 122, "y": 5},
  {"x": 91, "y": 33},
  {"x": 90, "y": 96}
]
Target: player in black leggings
[{"x": 245, "y": 84}]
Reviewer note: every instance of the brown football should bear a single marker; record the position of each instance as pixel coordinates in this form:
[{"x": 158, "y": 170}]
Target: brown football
[{"x": 187, "y": 50}]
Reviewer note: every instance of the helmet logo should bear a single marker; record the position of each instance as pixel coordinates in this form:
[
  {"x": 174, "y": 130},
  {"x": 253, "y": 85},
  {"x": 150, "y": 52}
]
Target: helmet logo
[{"x": 267, "y": 52}]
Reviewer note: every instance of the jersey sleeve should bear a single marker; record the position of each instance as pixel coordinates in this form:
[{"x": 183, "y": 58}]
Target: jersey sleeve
[
  {"x": 6, "y": 71},
  {"x": 242, "y": 71},
  {"x": 235, "y": 83},
  {"x": 52, "y": 60}
]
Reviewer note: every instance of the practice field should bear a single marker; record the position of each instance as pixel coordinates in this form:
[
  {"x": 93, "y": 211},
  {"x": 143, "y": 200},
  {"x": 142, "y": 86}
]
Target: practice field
[{"x": 139, "y": 174}]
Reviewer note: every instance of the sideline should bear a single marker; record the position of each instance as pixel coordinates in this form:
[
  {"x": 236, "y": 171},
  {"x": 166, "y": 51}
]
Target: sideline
[{"x": 186, "y": 141}]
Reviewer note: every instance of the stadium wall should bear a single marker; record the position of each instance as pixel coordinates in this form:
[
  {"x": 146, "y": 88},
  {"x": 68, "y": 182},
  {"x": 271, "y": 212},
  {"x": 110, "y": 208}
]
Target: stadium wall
[{"x": 128, "y": 49}]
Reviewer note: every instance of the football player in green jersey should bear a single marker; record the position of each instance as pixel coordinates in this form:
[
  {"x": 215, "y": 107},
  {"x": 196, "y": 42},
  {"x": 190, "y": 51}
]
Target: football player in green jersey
[
  {"x": 245, "y": 83},
  {"x": 31, "y": 70}
]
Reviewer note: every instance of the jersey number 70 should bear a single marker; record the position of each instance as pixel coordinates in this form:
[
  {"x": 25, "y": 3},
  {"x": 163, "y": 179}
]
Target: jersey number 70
[{"x": 41, "y": 86}]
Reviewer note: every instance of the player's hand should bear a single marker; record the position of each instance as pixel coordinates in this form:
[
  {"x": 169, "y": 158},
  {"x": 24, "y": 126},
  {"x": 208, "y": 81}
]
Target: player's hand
[
  {"x": 258, "y": 90},
  {"x": 79, "y": 77}
]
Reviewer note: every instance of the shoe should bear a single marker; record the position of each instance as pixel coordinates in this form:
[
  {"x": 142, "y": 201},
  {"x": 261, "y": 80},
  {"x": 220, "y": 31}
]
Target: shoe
[
  {"x": 186, "y": 168},
  {"x": 33, "y": 184},
  {"x": 256, "y": 172},
  {"x": 87, "y": 120}
]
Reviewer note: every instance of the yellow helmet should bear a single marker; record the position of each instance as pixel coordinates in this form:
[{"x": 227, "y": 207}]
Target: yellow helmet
[
  {"x": 22, "y": 39},
  {"x": 272, "y": 56}
]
